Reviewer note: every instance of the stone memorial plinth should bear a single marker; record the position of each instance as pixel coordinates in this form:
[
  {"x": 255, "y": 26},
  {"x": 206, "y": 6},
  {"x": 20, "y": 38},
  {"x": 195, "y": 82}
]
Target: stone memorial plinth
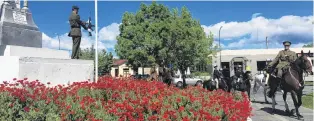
[{"x": 22, "y": 55}]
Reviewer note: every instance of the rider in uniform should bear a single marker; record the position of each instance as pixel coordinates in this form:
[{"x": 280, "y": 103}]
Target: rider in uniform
[
  {"x": 282, "y": 62},
  {"x": 239, "y": 72},
  {"x": 216, "y": 76},
  {"x": 283, "y": 59}
]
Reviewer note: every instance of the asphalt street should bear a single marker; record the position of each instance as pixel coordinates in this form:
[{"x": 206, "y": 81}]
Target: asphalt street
[{"x": 261, "y": 110}]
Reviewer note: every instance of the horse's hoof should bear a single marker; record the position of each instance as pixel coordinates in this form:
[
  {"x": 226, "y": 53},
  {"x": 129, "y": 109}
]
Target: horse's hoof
[
  {"x": 288, "y": 112},
  {"x": 299, "y": 116},
  {"x": 292, "y": 112},
  {"x": 272, "y": 112}
]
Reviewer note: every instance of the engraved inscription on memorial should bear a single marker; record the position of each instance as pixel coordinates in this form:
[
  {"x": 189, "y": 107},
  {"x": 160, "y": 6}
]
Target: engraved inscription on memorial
[{"x": 19, "y": 17}]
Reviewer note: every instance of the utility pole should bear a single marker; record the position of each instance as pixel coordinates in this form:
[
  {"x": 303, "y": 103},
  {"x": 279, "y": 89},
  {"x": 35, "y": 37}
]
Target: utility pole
[
  {"x": 220, "y": 48},
  {"x": 58, "y": 39},
  {"x": 266, "y": 43}
]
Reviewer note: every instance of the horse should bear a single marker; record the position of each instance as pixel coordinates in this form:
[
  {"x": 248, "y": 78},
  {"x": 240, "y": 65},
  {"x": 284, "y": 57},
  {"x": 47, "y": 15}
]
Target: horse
[
  {"x": 242, "y": 83},
  {"x": 153, "y": 75},
  {"x": 292, "y": 81},
  {"x": 260, "y": 81},
  {"x": 211, "y": 84},
  {"x": 167, "y": 76},
  {"x": 222, "y": 83}
]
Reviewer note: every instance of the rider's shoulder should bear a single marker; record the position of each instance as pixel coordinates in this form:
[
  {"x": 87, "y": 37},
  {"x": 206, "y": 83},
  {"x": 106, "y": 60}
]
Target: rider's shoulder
[
  {"x": 292, "y": 52},
  {"x": 281, "y": 51}
]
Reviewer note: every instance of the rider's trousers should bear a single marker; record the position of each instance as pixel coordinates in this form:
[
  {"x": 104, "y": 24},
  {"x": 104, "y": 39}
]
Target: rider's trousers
[{"x": 217, "y": 83}]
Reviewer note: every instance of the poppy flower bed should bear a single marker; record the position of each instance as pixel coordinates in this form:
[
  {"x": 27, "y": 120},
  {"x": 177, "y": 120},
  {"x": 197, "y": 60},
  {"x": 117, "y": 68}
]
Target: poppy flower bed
[{"x": 118, "y": 99}]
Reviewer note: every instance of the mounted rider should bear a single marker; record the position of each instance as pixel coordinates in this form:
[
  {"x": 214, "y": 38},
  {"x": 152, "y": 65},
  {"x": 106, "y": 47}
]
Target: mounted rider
[
  {"x": 216, "y": 76},
  {"x": 282, "y": 60},
  {"x": 239, "y": 71}
]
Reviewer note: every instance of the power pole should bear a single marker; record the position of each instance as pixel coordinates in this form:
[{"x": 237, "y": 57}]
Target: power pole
[{"x": 266, "y": 43}]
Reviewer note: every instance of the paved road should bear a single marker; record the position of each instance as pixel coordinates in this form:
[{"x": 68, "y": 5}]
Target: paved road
[{"x": 261, "y": 111}]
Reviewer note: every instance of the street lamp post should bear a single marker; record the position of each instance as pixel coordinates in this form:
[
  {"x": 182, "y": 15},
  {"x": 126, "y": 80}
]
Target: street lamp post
[
  {"x": 58, "y": 39},
  {"x": 219, "y": 48}
]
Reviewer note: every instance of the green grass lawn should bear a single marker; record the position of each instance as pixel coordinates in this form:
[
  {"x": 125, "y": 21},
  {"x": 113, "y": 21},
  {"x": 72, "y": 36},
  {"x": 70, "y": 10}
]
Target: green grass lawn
[
  {"x": 308, "y": 83},
  {"x": 307, "y": 101}
]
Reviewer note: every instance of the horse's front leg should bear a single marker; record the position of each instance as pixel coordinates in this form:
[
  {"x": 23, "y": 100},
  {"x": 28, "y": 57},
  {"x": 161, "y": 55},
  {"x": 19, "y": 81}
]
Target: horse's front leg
[
  {"x": 284, "y": 96},
  {"x": 249, "y": 91},
  {"x": 265, "y": 90},
  {"x": 296, "y": 104},
  {"x": 299, "y": 95},
  {"x": 273, "y": 104}
]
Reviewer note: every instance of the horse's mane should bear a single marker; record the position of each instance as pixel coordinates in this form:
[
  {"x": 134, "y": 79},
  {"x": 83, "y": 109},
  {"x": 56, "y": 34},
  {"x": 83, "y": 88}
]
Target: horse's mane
[{"x": 295, "y": 64}]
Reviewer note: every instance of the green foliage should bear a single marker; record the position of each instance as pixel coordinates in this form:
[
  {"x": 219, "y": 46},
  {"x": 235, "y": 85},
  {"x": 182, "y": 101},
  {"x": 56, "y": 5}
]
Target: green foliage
[
  {"x": 308, "y": 45},
  {"x": 200, "y": 73},
  {"x": 154, "y": 35},
  {"x": 105, "y": 59}
]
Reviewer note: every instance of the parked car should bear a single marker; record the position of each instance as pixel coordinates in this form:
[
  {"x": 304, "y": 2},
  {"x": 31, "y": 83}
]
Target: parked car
[{"x": 178, "y": 81}]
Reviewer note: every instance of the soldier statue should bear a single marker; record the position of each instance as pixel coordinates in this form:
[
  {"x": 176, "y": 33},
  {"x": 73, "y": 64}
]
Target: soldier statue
[{"x": 75, "y": 33}]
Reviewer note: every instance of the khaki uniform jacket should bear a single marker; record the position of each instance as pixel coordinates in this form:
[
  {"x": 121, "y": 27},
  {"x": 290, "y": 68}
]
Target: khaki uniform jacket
[
  {"x": 283, "y": 59},
  {"x": 76, "y": 23}
]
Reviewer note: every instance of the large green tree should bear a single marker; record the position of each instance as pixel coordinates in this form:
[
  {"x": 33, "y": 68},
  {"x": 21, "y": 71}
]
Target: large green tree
[
  {"x": 154, "y": 35},
  {"x": 144, "y": 36},
  {"x": 191, "y": 44}
]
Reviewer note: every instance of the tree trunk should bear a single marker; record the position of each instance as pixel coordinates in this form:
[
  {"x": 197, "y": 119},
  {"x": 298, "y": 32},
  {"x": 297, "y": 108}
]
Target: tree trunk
[
  {"x": 182, "y": 69},
  {"x": 142, "y": 69}
]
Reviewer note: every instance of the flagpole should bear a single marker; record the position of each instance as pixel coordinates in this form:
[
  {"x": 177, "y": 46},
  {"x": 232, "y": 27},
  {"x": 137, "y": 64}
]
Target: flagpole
[{"x": 96, "y": 41}]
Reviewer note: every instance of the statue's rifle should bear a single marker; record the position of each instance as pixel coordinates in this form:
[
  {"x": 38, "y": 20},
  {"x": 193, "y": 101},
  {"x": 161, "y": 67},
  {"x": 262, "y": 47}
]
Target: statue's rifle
[{"x": 90, "y": 25}]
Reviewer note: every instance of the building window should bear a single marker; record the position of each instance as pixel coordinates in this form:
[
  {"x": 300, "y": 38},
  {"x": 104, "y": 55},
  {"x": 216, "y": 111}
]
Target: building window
[
  {"x": 125, "y": 72},
  {"x": 261, "y": 65}
]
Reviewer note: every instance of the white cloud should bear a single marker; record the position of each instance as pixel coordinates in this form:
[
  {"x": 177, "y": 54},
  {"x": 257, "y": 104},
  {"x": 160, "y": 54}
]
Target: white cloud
[
  {"x": 66, "y": 41},
  {"x": 256, "y": 14},
  {"x": 297, "y": 29},
  {"x": 109, "y": 33}
]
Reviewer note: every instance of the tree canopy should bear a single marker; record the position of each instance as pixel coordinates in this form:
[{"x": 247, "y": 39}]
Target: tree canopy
[{"x": 157, "y": 36}]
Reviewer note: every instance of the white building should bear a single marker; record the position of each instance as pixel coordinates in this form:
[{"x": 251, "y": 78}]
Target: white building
[
  {"x": 256, "y": 58},
  {"x": 121, "y": 69}
]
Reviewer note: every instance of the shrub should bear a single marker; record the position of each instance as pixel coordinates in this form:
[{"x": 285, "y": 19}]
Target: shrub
[
  {"x": 198, "y": 73},
  {"x": 118, "y": 99}
]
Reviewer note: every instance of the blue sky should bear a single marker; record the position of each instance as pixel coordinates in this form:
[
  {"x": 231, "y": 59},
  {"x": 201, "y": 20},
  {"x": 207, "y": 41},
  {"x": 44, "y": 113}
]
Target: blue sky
[{"x": 245, "y": 24}]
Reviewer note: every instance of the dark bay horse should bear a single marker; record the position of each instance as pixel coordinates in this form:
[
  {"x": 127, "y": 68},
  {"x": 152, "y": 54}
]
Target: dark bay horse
[
  {"x": 242, "y": 83},
  {"x": 292, "y": 82},
  {"x": 222, "y": 83}
]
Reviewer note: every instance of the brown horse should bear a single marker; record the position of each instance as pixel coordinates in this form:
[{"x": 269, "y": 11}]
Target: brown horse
[{"x": 292, "y": 82}]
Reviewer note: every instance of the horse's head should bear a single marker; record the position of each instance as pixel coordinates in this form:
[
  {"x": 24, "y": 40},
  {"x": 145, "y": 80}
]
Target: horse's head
[
  {"x": 305, "y": 63},
  {"x": 248, "y": 75}
]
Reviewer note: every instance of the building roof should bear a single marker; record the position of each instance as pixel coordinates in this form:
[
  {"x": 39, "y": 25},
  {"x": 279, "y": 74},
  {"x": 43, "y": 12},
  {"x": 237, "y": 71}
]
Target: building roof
[
  {"x": 262, "y": 51},
  {"x": 118, "y": 62}
]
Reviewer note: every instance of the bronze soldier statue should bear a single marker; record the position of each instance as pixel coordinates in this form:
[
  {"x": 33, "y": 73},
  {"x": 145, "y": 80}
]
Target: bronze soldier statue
[
  {"x": 75, "y": 33},
  {"x": 283, "y": 59}
]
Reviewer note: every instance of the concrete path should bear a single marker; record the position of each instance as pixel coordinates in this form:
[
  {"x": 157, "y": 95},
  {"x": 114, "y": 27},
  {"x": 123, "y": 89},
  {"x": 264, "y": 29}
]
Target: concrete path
[{"x": 261, "y": 110}]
